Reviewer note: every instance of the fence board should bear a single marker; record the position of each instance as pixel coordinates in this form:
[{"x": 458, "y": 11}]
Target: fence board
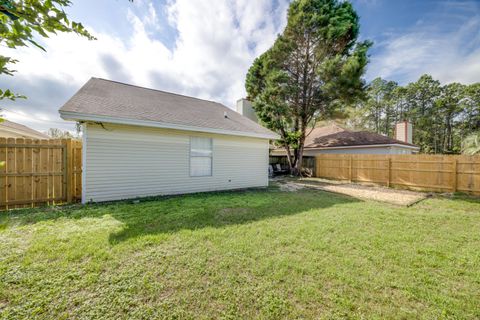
[
  {"x": 3, "y": 182},
  {"x": 441, "y": 173},
  {"x": 58, "y": 164},
  {"x": 28, "y": 166},
  {"x": 36, "y": 169},
  {"x": 37, "y": 172},
  {"x": 43, "y": 183},
  {"x": 77, "y": 170},
  {"x": 10, "y": 167},
  {"x": 19, "y": 183}
]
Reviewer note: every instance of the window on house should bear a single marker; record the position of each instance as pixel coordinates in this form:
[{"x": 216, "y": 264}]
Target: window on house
[{"x": 200, "y": 157}]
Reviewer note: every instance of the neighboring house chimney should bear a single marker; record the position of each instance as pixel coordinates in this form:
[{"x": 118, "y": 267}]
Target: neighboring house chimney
[
  {"x": 404, "y": 132},
  {"x": 245, "y": 108}
]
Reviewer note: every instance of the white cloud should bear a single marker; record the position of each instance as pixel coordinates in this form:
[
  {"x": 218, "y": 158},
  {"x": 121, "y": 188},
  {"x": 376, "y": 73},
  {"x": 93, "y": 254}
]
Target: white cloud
[
  {"x": 451, "y": 56},
  {"x": 369, "y": 2},
  {"x": 210, "y": 57}
]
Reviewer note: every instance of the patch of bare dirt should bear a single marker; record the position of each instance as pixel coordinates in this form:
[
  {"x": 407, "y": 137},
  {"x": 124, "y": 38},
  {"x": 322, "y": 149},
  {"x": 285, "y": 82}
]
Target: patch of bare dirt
[
  {"x": 365, "y": 192},
  {"x": 291, "y": 186}
]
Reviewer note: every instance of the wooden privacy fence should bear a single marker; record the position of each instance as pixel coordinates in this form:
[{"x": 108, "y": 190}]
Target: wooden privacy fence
[
  {"x": 440, "y": 173},
  {"x": 37, "y": 172}
]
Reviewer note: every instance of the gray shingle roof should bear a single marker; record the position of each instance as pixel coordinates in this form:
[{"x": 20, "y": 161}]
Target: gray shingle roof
[
  {"x": 24, "y": 130},
  {"x": 105, "y": 98},
  {"x": 335, "y": 136}
]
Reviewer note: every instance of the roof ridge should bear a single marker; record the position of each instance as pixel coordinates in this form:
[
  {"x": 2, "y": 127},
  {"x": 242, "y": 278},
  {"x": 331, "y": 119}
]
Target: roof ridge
[
  {"x": 158, "y": 90},
  {"x": 18, "y": 126},
  {"x": 6, "y": 121},
  {"x": 388, "y": 137}
]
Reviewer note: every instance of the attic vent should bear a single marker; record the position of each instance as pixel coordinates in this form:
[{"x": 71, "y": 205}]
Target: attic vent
[{"x": 225, "y": 115}]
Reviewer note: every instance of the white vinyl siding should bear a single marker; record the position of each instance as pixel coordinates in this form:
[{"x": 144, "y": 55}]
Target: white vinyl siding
[
  {"x": 124, "y": 162},
  {"x": 200, "y": 157}
]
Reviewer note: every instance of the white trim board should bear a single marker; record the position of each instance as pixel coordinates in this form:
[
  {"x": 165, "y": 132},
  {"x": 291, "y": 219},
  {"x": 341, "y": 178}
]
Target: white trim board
[{"x": 146, "y": 123}]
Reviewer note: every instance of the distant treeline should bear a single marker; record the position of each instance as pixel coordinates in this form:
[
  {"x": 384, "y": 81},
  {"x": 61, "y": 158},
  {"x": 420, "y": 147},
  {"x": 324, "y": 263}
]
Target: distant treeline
[{"x": 442, "y": 115}]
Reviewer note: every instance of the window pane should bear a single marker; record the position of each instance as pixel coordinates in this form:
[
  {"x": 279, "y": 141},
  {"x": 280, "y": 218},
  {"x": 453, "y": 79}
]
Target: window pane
[
  {"x": 201, "y": 144},
  {"x": 200, "y": 166},
  {"x": 200, "y": 153},
  {"x": 200, "y": 156}
]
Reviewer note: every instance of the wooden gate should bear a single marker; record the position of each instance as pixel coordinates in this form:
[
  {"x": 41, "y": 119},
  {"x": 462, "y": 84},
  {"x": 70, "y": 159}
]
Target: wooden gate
[{"x": 39, "y": 172}]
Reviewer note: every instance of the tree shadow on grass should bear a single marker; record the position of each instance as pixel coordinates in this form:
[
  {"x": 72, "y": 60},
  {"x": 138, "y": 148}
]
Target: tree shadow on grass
[
  {"x": 216, "y": 210},
  {"x": 159, "y": 215}
]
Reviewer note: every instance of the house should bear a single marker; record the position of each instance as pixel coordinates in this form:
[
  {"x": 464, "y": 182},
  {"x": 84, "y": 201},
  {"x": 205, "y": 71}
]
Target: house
[
  {"x": 333, "y": 138},
  {"x": 9, "y": 129},
  {"x": 141, "y": 142}
]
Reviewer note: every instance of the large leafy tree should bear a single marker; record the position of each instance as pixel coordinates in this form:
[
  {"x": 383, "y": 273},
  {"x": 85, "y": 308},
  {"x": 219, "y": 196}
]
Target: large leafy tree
[
  {"x": 313, "y": 66},
  {"x": 21, "y": 21}
]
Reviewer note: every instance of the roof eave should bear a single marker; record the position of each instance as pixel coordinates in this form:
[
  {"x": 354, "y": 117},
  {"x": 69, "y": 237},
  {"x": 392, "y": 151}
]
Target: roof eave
[
  {"x": 75, "y": 116},
  {"x": 367, "y": 146},
  {"x": 359, "y": 146}
]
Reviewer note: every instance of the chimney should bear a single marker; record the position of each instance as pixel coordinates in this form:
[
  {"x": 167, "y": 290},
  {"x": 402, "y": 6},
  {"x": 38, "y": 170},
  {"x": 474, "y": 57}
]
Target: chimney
[
  {"x": 245, "y": 108},
  {"x": 404, "y": 132}
]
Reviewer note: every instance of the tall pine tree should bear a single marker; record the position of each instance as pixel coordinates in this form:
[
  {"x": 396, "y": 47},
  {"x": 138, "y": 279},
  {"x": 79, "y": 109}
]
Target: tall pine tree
[{"x": 314, "y": 66}]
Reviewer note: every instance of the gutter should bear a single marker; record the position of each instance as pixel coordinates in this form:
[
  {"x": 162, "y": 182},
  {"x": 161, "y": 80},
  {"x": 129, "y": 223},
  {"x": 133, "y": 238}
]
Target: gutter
[
  {"x": 358, "y": 147},
  {"x": 368, "y": 146},
  {"x": 75, "y": 116}
]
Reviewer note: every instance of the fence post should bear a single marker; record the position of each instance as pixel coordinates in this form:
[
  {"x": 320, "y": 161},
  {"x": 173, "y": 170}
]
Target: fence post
[
  {"x": 68, "y": 169},
  {"x": 454, "y": 174},
  {"x": 350, "y": 168},
  {"x": 389, "y": 172}
]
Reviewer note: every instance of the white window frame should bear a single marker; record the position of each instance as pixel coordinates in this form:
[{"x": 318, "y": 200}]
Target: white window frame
[{"x": 190, "y": 158}]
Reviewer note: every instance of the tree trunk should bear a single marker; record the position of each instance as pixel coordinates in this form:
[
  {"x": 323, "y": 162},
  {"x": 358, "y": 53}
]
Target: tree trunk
[
  {"x": 297, "y": 168},
  {"x": 289, "y": 156},
  {"x": 300, "y": 162}
]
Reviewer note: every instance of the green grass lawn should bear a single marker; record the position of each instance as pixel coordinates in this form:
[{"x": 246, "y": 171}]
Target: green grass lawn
[{"x": 252, "y": 254}]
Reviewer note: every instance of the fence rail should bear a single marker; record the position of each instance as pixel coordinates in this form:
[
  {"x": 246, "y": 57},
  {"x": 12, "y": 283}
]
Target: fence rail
[
  {"x": 36, "y": 172},
  {"x": 440, "y": 173}
]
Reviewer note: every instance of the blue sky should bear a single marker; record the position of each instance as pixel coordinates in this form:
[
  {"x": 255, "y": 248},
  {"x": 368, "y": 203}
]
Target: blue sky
[{"x": 204, "y": 48}]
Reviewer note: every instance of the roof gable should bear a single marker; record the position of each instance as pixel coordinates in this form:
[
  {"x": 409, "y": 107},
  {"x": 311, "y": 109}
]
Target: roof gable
[{"x": 125, "y": 103}]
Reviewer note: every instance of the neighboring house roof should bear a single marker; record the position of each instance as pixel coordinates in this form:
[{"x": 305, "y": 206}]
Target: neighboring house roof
[
  {"x": 335, "y": 136},
  {"x": 9, "y": 129},
  {"x": 113, "y": 102}
]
